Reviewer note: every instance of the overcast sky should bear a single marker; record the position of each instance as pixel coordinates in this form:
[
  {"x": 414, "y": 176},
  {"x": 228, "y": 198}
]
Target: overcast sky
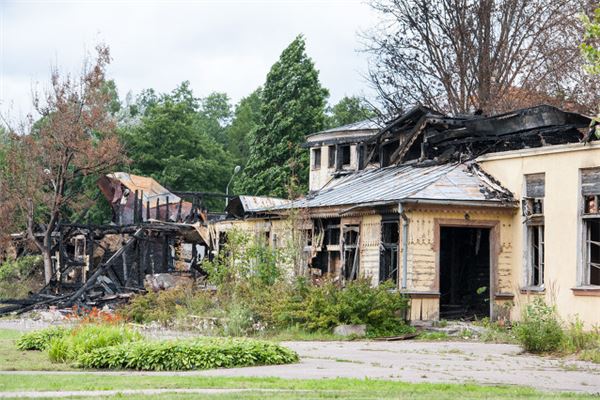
[{"x": 225, "y": 46}]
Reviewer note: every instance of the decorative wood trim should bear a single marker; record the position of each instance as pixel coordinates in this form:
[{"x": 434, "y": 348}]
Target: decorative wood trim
[{"x": 421, "y": 295}]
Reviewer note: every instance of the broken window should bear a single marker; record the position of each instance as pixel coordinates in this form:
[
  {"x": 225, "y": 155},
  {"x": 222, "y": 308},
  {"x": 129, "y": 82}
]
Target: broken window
[
  {"x": 326, "y": 240},
  {"x": 351, "y": 253},
  {"x": 344, "y": 155},
  {"x": 533, "y": 210},
  {"x": 590, "y": 190},
  {"x": 388, "y": 258},
  {"x": 331, "y": 157},
  {"x": 316, "y": 158}
]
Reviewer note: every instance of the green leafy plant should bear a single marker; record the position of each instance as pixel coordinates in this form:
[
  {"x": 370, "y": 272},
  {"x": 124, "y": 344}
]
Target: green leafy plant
[
  {"x": 202, "y": 353},
  {"x": 539, "y": 330},
  {"x": 321, "y": 308},
  {"x": 40, "y": 339},
  {"x": 87, "y": 337}
]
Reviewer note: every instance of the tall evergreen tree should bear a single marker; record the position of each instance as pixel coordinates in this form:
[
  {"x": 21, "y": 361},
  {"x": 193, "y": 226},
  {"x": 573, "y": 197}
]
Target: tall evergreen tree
[
  {"x": 245, "y": 120},
  {"x": 293, "y": 105}
]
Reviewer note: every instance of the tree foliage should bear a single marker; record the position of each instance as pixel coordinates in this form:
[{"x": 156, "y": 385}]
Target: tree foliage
[
  {"x": 590, "y": 46},
  {"x": 460, "y": 56},
  {"x": 74, "y": 140},
  {"x": 348, "y": 110},
  {"x": 246, "y": 119},
  {"x": 293, "y": 105},
  {"x": 174, "y": 143}
]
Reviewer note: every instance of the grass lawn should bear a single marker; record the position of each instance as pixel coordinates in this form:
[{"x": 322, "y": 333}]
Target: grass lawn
[
  {"x": 12, "y": 359},
  {"x": 284, "y": 388}
]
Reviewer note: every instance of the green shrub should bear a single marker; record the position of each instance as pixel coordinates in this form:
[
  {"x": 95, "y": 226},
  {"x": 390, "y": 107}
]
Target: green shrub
[
  {"x": 85, "y": 338},
  {"x": 40, "y": 339},
  {"x": 20, "y": 268},
  {"x": 187, "y": 355},
  {"x": 321, "y": 308},
  {"x": 539, "y": 330}
]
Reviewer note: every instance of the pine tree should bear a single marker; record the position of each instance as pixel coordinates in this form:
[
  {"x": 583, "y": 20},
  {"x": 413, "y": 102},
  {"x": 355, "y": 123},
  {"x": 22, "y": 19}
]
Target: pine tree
[{"x": 293, "y": 105}]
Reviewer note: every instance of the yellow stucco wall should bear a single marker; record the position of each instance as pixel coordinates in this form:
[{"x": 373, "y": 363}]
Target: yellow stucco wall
[{"x": 561, "y": 165}]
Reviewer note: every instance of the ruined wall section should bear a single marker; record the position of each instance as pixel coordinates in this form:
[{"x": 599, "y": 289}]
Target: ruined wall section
[{"x": 370, "y": 229}]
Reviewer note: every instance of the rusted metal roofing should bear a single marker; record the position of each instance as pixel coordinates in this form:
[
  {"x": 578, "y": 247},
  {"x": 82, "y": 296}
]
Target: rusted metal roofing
[
  {"x": 365, "y": 125},
  {"x": 242, "y": 205},
  {"x": 151, "y": 189},
  {"x": 447, "y": 183},
  {"x": 255, "y": 203}
]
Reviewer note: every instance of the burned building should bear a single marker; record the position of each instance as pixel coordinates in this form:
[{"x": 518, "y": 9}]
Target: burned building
[{"x": 470, "y": 216}]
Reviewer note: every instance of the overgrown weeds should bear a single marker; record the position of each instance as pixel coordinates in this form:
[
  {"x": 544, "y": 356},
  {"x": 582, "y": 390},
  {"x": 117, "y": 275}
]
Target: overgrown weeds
[
  {"x": 20, "y": 277},
  {"x": 541, "y": 331},
  {"x": 254, "y": 297}
]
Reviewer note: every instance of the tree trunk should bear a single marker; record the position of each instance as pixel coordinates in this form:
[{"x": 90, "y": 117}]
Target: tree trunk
[{"x": 47, "y": 265}]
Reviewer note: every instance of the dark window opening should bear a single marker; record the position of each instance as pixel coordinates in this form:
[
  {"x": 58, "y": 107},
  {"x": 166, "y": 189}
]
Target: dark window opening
[
  {"x": 464, "y": 273},
  {"x": 326, "y": 239},
  {"x": 388, "y": 258},
  {"x": 385, "y": 153},
  {"x": 331, "y": 157},
  {"x": 536, "y": 255},
  {"x": 344, "y": 155},
  {"x": 316, "y": 158}
]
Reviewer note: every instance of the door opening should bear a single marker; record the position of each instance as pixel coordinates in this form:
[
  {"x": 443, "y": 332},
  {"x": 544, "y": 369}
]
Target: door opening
[{"x": 464, "y": 273}]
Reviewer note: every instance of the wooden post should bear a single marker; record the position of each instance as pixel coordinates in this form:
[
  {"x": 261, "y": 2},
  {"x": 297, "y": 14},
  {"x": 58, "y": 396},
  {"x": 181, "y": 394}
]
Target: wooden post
[
  {"x": 147, "y": 210},
  {"x": 157, "y": 216},
  {"x": 167, "y": 210},
  {"x": 141, "y": 207},
  {"x": 179, "y": 210},
  {"x": 135, "y": 207}
]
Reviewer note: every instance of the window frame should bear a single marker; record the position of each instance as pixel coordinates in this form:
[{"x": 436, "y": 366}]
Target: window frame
[
  {"x": 316, "y": 164},
  {"x": 586, "y": 217},
  {"x": 533, "y": 214},
  {"x": 331, "y": 156}
]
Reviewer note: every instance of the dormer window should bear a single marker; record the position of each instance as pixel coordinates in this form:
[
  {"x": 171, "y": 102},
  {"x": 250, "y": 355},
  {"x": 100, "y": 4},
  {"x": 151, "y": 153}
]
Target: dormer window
[
  {"x": 331, "y": 157},
  {"x": 316, "y": 158}
]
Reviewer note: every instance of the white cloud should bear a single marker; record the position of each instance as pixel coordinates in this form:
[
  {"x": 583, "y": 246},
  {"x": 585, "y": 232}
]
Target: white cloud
[{"x": 224, "y": 46}]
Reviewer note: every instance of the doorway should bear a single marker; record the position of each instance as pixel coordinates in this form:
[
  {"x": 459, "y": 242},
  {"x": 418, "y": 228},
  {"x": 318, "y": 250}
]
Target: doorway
[{"x": 464, "y": 272}]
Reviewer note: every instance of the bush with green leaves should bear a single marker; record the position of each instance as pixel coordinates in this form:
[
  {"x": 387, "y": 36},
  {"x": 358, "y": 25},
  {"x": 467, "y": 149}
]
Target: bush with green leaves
[
  {"x": 540, "y": 330},
  {"x": 202, "y": 353},
  {"x": 20, "y": 268},
  {"x": 245, "y": 257},
  {"x": 40, "y": 339},
  {"x": 87, "y": 337},
  {"x": 322, "y": 307}
]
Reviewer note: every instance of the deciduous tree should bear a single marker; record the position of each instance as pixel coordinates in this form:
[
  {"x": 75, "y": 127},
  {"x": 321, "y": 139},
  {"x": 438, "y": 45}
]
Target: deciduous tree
[
  {"x": 460, "y": 56},
  {"x": 46, "y": 161},
  {"x": 348, "y": 110}
]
